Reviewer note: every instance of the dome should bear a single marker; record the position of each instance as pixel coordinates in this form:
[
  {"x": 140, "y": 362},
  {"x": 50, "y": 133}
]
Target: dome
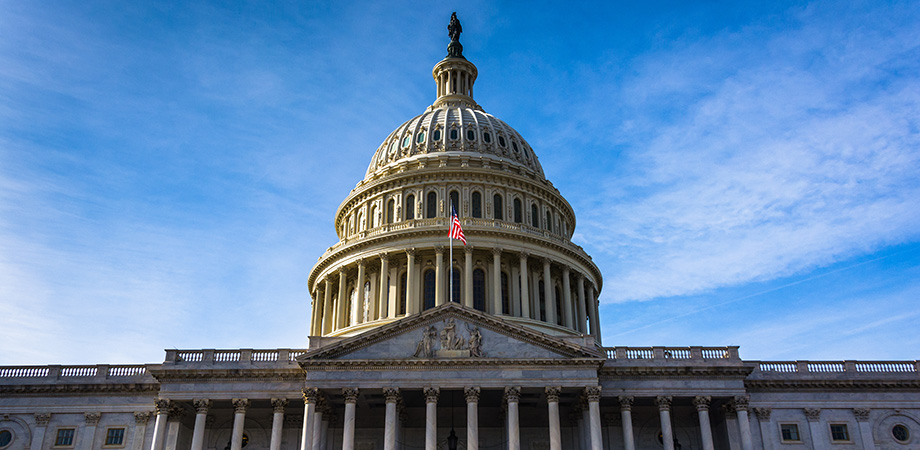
[{"x": 455, "y": 129}]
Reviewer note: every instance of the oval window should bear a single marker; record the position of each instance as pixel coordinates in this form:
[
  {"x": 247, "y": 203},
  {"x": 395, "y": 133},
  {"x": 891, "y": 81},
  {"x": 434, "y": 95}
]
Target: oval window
[
  {"x": 501, "y": 141},
  {"x": 470, "y": 135},
  {"x": 421, "y": 137},
  {"x": 436, "y": 135},
  {"x": 393, "y": 148},
  {"x": 454, "y": 134},
  {"x": 5, "y": 438},
  {"x": 407, "y": 141},
  {"x": 900, "y": 433},
  {"x": 487, "y": 137},
  {"x": 514, "y": 145}
]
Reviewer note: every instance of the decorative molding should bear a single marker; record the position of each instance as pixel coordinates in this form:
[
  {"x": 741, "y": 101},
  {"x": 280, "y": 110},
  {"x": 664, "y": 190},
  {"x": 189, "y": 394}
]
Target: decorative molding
[
  {"x": 201, "y": 405},
  {"x": 763, "y": 414},
  {"x": 162, "y": 405},
  {"x": 793, "y": 385},
  {"x": 702, "y": 402},
  {"x": 431, "y": 394},
  {"x": 741, "y": 402},
  {"x": 310, "y": 395},
  {"x": 471, "y": 394},
  {"x": 593, "y": 393},
  {"x": 278, "y": 405},
  {"x": 391, "y": 395},
  {"x": 512, "y": 394},
  {"x": 553, "y": 393},
  {"x": 92, "y": 418},
  {"x": 141, "y": 417},
  {"x": 350, "y": 394},
  {"x": 42, "y": 419},
  {"x": 862, "y": 414},
  {"x": 625, "y": 403},
  {"x": 663, "y": 402},
  {"x": 812, "y": 414},
  {"x": 240, "y": 405}
]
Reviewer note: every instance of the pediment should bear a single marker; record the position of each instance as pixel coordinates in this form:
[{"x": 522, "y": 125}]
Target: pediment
[{"x": 450, "y": 332}]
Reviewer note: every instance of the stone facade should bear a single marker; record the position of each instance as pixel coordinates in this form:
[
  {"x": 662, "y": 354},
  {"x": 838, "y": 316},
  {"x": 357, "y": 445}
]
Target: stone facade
[{"x": 494, "y": 345}]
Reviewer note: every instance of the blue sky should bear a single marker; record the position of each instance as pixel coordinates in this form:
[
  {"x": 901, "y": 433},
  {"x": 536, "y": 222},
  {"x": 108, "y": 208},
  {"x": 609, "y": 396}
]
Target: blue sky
[{"x": 743, "y": 173}]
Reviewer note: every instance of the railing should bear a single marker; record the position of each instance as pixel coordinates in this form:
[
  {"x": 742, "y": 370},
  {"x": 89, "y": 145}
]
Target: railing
[
  {"x": 78, "y": 371},
  {"x": 671, "y": 353},
  {"x": 127, "y": 371},
  {"x": 832, "y": 367},
  {"x": 241, "y": 356},
  {"x": 24, "y": 372},
  {"x": 227, "y": 356},
  {"x": 56, "y": 372}
]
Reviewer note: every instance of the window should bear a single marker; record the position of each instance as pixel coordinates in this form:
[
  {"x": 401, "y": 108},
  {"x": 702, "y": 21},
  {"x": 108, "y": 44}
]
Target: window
[
  {"x": 391, "y": 205},
  {"x": 789, "y": 432},
  {"x": 431, "y": 205},
  {"x": 518, "y": 214},
  {"x": 454, "y": 134},
  {"x": 487, "y": 137},
  {"x": 454, "y": 202},
  {"x": 351, "y": 305},
  {"x": 402, "y": 294},
  {"x": 410, "y": 207},
  {"x": 558, "y": 307},
  {"x": 542, "y": 298},
  {"x": 839, "y": 432},
  {"x": 115, "y": 437},
  {"x": 436, "y": 135},
  {"x": 420, "y": 138},
  {"x": 514, "y": 146},
  {"x": 506, "y": 299},
  {"x": 899, "y": 432},
  {"x": 64, "y": 437},
  {"x": 497, "y": 207},
  {"x": 549, "y": 221},
  {"x": 456, "y": 291},
  {"x": 534, "y": 216},
  {"x": 470, "y": 135},
  {"x": 501, "y": 141},
  {"x": 393, "y": 148},
  {"x": 406, "y": 141},
  {"x": 429, "y": 289},
  {"x": 6, "y": 436},
  {"x": 477, "y": 204},
  {"x": 479, "y": 289}
]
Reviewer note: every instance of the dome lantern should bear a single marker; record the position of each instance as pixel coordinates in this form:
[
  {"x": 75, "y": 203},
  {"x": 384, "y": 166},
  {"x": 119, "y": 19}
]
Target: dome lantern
[{"x": 454, "y": 75}]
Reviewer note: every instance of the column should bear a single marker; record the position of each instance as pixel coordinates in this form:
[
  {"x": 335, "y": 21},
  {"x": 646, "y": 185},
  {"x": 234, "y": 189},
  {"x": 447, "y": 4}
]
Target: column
[
  {"x": 140, "y": 430},
  {"x": 328, "y": 325},
  {"x": 89, "y": 430},
  {"x": 439, "y": 272},
  {"x": 496, "y": 281},
  {"x": 41, "y": 424},
  {"x": 319, "y": 413},
  {"x": 468, "y": 276},
  {"x": 359, "y": 297},
  {"x": 744, "y": 424},
  {"x": 629, "y": 442},
  {"x": 549, "y": 292},
  {"x": 552, "y": 401},
  {"x": 525, "y": 292},
  {"x": 472, "y": 417},
  {"x": 766, "y": 434},
  {"x": 664, "y": 414},
  {"x": 341, "y": 314},
  {"x": 702, "y": 409},
  {"x": 240, "y": 405},
  {"x": 412, "y": 306},
  {"x": 316, "y": 325},
  {"x": 310, "y": 396},
  {"x": 593, "y": 394},
  {"x": 865, "y": 427},
  {"x": 383, "y": 298},
  {"x": 585, "y": 422},
  {"x": 818, "y": 440},
  {"x": 731, "y": 426},
  {"x": 582, "y": 309},
  {"x": 159, "y": 426},
  {"x": 390, "y": 425},
  {"x": 592, "y": 313},
  {"x": 348, "y": 427},
  {"x": 373, "y": 308},
  {"x": 431, "y": 418},
  {"x": 567, "y": 298},
  {"x": 201, "y": 415},
  {"x": 512, "y": 397},
  {"x": 278, "y": 405}
]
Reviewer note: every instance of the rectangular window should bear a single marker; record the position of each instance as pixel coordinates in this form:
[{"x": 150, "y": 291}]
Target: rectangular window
[
  {"x": 839, "y": 432},
  {"x": 790, "y": 432},
  {"x": 115, "y": 437},
  {"x": 64, "y": 437}
]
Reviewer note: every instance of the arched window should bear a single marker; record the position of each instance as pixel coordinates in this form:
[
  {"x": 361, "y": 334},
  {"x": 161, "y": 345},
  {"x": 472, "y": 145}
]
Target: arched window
[
  {"x": 558, "y": 307},
  {"x": 476, "y": 204},
  {"x": 479, "y": 289},
  {"x": 431, "y": 204},
  {"x": 497, "y": 210},
  {"x": 454, "y": 202},
  {"x": 391, "y": 209},
  {"x": 365, "y": 313},
  {"x": 456, "y": 291},
  {"x": 402, "y": 293},
  {"x": 349, "y": 305},
  {"x": 506, "y": 299},
  {"x": 429, "y": 289},
  {"x": 518, "y": 213},
  {"x": 542, "y": 298},
  {"x": 360, "y": 221},
  {"x": 373, "y": 217},
  {"x": 410, "y": 207},
  {"x": 549, "y": 221},
  {"x": 534, "y": 216}
]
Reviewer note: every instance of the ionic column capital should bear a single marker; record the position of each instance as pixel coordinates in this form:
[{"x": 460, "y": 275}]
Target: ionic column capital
[
  {"x": 552, "y": 393},
  {"x": 391, "y": 395},
  {"x": 350, "y": 394},
  {"x": 663, "y": 402},
  {"x": 512, "y": 394},
  {"x": 702, "y": 402},
  {"x": 202, "y": 405},
  {"x": 240, "y": 405},
  {"x": 471, "y": 394},
  {"x": 625, "y": 403},
  {"x": 278, "y": 404},
  {"x": 593, "y": 393},
  {"x": 432, "y": 394}
]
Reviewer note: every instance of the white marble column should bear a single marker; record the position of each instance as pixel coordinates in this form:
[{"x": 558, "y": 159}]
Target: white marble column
[
  {"x": 664, "y": 413},
  {"x": 390, "y": 425},
  {"x": 159, "y": 426},
  {"x": 525, "y": 292},
  {"x": 240, "y": 405},
  {"x": 383, "y": 298},
  {"x": 341, "y": 313},
  {"x": 702, "y": 410},
  {"x": 412, "y": 306},
  {"x": 201, "y": 415},
  {"x": 580, "y": 306},
  {"x": 310, "y": 396},
  {"x": 439, "y": 273},
  {"x": 549, "y": 292},
  {"x": 555, "y": 433},
  {"x": 89, "y": 430},
  {"x": 319, "y": 413},
  {"x": 744, "y": 423},
  {"x": 431, "y": 418},
  {"x": 567, "y": 298},
  {"x": 593, "y": 394},
  {"x": 595, "y": 318},
  {"x": 472, "y": 417},
  {"x": 328, "y": 324},
  {"x": 358, "y": 307},
  {"x": 497, "y": 281},
  {"x": 316, "y": 325},
  {"x": 324, "y": 437},
  {"x": 512, "y": 397},
  {"x": 766, "y": 433},
  {"x": 468, "y": 276},
  {"x": 278, "y": 405},
  {"x": 629, "y": 442},
  {"x": 865, "y": 427},
  {"x": 140, "y": 430},
  {"x": 348, "y": 427}
]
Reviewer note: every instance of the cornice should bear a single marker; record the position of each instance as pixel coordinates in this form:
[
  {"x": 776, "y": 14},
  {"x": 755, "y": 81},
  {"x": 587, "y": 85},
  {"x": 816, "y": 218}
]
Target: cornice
[
  {"x": 468, "y": 364},
  {"x": 260, "y": 374},
  {"x": 100, "y": 388},
  {"x": 838, "y": 385},
  {"x": 679, "y": 371}
]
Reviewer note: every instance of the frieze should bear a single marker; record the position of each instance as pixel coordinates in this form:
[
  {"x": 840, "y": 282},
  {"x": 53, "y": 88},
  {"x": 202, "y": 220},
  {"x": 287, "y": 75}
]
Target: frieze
[
  {"x": 102, "y": 388},
  {"x": 451, "y": 344}
]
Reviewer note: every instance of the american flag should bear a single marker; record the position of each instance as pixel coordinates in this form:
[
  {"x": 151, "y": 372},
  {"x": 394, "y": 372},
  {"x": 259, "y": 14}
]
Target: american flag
[{"x": 456, "y": 232}]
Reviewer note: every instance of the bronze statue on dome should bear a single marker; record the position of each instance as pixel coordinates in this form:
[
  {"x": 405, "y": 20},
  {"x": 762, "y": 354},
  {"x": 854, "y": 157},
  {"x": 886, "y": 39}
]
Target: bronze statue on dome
[{"x": 454, "y": 49}]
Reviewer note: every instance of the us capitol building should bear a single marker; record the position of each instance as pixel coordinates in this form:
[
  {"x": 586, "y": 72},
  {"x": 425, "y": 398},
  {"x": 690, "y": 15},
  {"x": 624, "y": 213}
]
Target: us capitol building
[{"x": 419, "y": 344}]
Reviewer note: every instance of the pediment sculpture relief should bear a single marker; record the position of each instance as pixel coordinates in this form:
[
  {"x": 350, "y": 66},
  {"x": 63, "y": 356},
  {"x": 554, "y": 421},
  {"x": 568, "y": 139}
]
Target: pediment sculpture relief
[{"x": 448, "y": 343}]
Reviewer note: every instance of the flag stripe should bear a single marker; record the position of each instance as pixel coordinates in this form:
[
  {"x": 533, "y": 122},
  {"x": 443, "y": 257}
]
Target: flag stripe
[{"x": 456, "y": 231}]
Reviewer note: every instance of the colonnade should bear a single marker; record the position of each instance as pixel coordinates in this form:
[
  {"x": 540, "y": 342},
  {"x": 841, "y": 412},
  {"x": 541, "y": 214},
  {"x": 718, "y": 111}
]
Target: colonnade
[{"x": 379, "y": 290}]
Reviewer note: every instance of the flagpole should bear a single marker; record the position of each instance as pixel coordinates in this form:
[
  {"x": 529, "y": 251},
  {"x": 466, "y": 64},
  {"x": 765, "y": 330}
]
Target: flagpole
[{"x": 450, "y": 262}]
